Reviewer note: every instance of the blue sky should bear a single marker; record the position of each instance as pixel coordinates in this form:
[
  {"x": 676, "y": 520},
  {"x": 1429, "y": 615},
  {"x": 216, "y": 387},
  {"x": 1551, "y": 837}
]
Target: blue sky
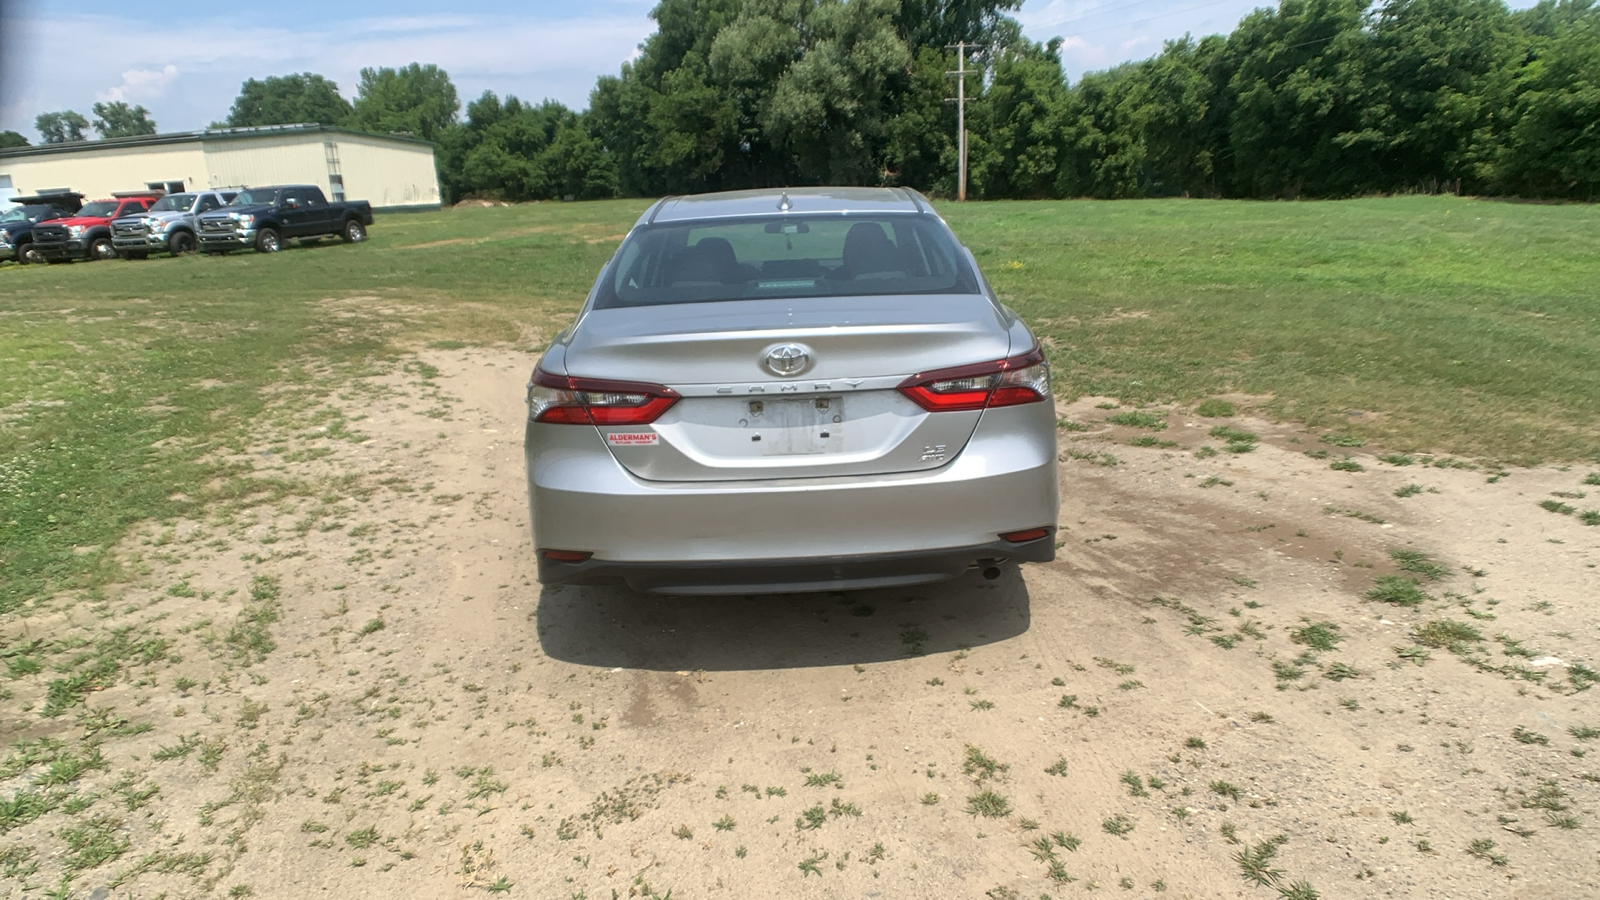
[{"x": 186, "y": 67}]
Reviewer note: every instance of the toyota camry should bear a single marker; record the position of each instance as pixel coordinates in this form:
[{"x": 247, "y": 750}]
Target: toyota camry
[{"x": 790, "y": 390}]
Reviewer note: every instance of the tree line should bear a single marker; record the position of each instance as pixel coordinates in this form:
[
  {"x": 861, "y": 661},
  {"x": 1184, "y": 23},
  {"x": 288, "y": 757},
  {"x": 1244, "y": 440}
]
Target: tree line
[{"x": 1313, "y": 98}]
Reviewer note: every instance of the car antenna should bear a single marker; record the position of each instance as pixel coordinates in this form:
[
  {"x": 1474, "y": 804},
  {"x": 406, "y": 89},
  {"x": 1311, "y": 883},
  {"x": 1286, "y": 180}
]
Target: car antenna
[{"x": 783, "y": 202}]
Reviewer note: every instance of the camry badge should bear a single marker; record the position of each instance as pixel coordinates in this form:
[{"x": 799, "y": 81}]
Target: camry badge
[{"x": 787, "y": 359}]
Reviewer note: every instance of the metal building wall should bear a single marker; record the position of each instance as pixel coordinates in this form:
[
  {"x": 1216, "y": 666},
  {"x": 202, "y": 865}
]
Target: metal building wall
[
  {"x": 97, "y": 173},
  {"x": 274, "y": 159},
  {"x": 388, "y": 174}
]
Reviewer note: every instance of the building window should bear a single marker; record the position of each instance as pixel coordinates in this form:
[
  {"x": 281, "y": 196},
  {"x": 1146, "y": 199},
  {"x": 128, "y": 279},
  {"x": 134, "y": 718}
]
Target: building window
[{"x": 336, "y": 183}]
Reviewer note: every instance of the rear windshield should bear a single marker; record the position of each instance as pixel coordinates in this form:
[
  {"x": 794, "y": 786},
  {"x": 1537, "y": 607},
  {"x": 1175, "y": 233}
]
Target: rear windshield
[
  {"x": 98, "y": 209},
  {"x": 784, "y": 257}
]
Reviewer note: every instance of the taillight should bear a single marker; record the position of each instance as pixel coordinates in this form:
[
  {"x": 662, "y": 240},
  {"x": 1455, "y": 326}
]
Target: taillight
[
  {"x": 1004, "y": 382},
  {"x": 562, "y": 400}
]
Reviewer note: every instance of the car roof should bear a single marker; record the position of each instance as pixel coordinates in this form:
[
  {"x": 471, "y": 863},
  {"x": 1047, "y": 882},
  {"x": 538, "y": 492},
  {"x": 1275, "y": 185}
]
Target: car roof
[{"x": 800, "y": 201}]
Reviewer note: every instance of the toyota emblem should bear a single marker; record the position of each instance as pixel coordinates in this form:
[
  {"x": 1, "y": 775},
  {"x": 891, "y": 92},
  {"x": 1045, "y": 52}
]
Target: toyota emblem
[{"x": 787, "y": 359}]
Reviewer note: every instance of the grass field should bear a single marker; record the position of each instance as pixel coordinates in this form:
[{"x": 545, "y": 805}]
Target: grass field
[
  {"x": 206, "y": 462},
  {"x": 1440, "y": 324}
]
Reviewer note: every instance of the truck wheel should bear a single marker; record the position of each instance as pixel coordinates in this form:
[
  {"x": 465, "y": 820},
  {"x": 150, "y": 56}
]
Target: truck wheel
[
  {"x": 354, "y": 232},
  {"x": 28, "y": 256},
  {"x": 100, "y": 248},
  {"x": 180, "y": 242},
  {"x": 267, "y": 241}
]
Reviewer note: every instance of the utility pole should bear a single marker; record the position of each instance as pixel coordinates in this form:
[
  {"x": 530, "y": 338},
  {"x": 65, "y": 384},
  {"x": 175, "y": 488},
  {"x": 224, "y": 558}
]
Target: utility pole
[{"x": 960, "y": 101}]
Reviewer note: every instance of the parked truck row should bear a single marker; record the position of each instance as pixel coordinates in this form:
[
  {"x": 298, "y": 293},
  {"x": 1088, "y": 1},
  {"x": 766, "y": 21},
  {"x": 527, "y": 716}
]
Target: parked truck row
[{"x": 58, "y": 226}]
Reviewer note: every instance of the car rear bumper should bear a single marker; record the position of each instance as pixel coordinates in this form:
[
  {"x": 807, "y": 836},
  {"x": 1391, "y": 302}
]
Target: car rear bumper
[
  {"x": 815, "y": 574},
  {"x": 797, "y": 533}
]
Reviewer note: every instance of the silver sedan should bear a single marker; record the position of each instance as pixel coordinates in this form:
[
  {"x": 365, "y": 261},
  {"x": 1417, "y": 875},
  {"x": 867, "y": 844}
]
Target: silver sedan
[{"x": 800, "y": 390}]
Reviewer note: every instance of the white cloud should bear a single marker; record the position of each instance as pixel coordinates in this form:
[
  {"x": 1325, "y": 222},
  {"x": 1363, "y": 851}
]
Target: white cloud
[
  {"x": 141, "y": 84},
  {"x": 198, "y": 65}
]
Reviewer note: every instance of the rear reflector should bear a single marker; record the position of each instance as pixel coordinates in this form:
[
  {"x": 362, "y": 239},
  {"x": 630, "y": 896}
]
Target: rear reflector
[
  {"x": 1022, "y": 537},
  {"x": 565, "y": 555},
  {"x": 1004, "y": 382},
  {"x": 564, "y": 400}
]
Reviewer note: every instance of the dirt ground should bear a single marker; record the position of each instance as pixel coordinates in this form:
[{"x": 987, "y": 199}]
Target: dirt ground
[{"x": 1148, "y": 716}]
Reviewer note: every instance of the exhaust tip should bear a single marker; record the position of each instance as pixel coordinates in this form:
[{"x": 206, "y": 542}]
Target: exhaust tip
[{"x": 991, "y": 573}]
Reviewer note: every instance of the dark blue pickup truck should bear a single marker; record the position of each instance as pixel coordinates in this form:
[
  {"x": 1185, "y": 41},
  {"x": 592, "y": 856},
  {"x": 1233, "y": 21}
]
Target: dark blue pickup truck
[
  {"x": 267, "y": 217},
  {"x": 16, "y": 224}
]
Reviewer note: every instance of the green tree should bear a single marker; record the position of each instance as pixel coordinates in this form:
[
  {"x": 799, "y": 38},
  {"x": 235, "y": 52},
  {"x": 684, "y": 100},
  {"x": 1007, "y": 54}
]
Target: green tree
[
  {"x": 828, "y": 109},
  {"x": 61, "y": 127},
  {"x": 415, "y": 99},
  {"x": 1021, "y": 119},
  {"x": 1431, "y": 75},
  {"x": 937, "y": 23},
  {"x": 1291, "y": 96},
  {"x": 287, "y": 100},
  {"x": 1170, "y": 104},
  {"x": 920, "y": 136},
  {"x": 118, "y": 119},
  {"x": 515, "y": 151},
  {"x": 12, "y": 139},
  {"x": 1105, "y": 153},
  {"x": 1550, "y": 144}
]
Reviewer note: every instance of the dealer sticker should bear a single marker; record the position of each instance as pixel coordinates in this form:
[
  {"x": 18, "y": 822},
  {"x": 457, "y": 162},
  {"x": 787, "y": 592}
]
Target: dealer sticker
[{"x": 633, "y": 439}]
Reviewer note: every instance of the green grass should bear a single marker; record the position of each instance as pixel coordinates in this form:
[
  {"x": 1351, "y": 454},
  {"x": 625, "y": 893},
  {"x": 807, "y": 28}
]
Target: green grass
[
  {"x": 1320, "y": 636},
  {"x": 1418, "y": 563},
  {"x": 1446, "y": 634},
  {"x": 143, "y": 402},
  {"x": 136, "y": 404},
  {"x": 1289, "y": 300},
  {"x": 1397, "y": 590},
  {"x": 1137, "y": 418}
]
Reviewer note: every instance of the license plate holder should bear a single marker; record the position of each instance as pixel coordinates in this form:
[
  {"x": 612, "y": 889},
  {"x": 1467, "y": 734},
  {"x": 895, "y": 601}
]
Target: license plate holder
[{"x": 798, "y": 426}]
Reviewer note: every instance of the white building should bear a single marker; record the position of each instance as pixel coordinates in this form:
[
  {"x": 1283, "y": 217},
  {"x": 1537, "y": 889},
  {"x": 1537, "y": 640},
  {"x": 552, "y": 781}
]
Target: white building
[{"x": 391, "y": 172}]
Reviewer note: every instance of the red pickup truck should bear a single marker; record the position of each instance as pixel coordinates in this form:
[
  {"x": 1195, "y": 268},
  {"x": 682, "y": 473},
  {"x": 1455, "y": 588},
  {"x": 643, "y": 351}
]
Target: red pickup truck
[{"x": 87, "y": 235}]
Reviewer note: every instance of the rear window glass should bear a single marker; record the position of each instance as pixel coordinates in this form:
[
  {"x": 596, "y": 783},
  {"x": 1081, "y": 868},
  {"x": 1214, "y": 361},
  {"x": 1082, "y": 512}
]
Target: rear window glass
[{"x": 785, "y": 257}]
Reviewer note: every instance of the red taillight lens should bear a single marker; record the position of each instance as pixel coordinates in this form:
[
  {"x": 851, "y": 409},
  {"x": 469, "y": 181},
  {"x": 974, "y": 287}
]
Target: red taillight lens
[
  {"x": 573, "y": 556},
  {"x": 563, "y": 400},
  {"x": 1004, "y": 382}
]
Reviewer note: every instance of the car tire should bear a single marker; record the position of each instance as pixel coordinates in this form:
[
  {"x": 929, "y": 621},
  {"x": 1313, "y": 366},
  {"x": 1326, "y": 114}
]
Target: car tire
[
  {"x": 354, "y": 232},
  {"x": 180, "y": 242},
  {"x": 100, "y": 248},
  {"x": 268, "y": 241},
  {"x": 27, "y": 256}
]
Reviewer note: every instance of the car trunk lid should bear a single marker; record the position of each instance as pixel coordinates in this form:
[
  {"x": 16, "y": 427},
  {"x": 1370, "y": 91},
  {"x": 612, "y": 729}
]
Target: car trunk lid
[{"x": 838, "y": 413}]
